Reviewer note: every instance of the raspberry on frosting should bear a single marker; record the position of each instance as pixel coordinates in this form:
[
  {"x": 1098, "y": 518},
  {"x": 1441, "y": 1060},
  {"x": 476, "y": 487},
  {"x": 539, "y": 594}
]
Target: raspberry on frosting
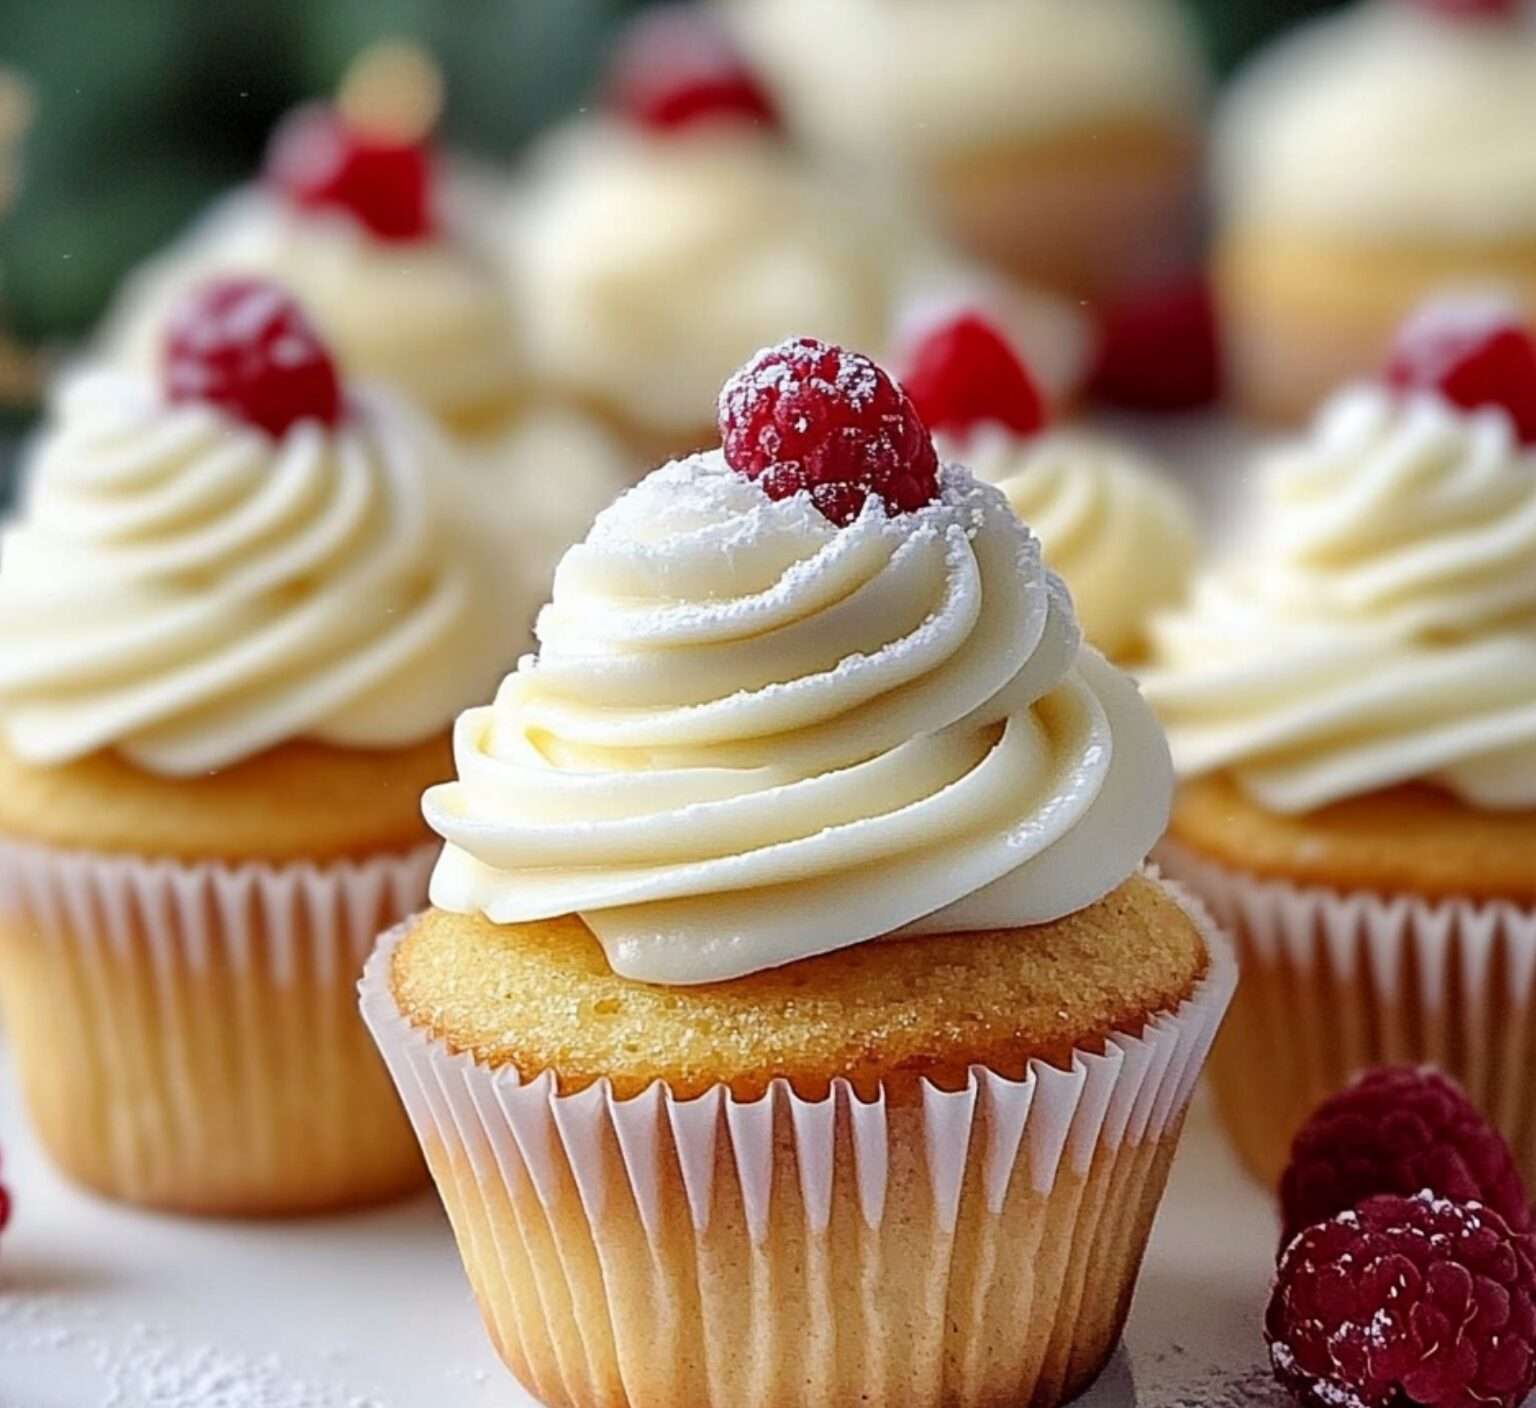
[
  {"x": 807, "y": 416},
  {"x": 1472, "y": 351},
  {"x": 245, "y": 346},
  {"x": 1398, "y": 1130},
  {"x": 675, "y": 68},
  {"x": 319, "y": 161},
  {"x": 962, "y": 372},
  {"x": 1419, "y": 1300}
]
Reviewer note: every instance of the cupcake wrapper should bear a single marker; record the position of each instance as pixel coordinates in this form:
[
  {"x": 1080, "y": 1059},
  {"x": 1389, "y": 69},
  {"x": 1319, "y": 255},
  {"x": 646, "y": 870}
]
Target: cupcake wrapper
[
  {"x": 977, "y": 1247},
  {"x": 186, "y": 1032},
  {"x": 1334, "y": 982}
]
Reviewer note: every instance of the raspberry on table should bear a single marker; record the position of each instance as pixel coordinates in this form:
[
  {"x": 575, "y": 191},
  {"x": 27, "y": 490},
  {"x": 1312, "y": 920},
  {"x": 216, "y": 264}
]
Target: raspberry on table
[
  {"x": 1396, "y": 1130},
  {"x": 1419, "y": 1300},
  {"x": 1472, "y": 351},
  {"x": 245, "y": 346},
  {"x": 318, "y": 161},
  {"x": 962, "y": 372},
  {"x": 675, "y": 67},
  {"x": 807, "y": 416}
]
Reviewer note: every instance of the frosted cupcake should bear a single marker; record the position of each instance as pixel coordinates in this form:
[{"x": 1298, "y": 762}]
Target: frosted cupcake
[
  {"x": 1058, "y": 139},
  {"x": 1369, "y": 161},
  {"x": 240, "y": 605},
  {"x": 347, "y": 216},
  {"x": 1352, "y": 706},
  {"x": 1116, "y": 530},
  {"x": 795, "y": 1021}
]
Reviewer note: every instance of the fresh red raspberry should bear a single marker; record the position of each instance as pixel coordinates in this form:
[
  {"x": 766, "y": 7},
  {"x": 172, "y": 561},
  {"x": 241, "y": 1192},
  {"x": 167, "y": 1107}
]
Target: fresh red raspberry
[
  {"x": 1396, "y": 1130},
  {"x": 1424, "y": 1297},
  {"x": 5, "y": 1208},
  {"x": 316, "y": 161},
  {"x": 1159, "y": 349},
  {"x": 244, "y": 345},
  {"x": 1474, "y": 352},
  {"x": 961, "y": 372},
  {"x": 806, "y": 415},
  {"x": 676, "y": 67}
]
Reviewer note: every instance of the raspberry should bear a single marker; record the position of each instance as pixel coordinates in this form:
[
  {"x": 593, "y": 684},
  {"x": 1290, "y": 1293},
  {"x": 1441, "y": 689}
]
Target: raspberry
[
  {"x": 245, "y": 346},
  {"x": 675, "y": 67},
  {"x": 1158, "y": 348},
  {"x": 1474, "y": 352},
  {"x": 1424, "y": 1297},
  {"x": 807, "y": 416},
  {"x": 316, "y": 161},
  {"x": 1397, "y": 1130},
  {"x": 1471, "y": 9},
  {"x": 5, "y": 1208},
  {"x": 962, "y": 372}
]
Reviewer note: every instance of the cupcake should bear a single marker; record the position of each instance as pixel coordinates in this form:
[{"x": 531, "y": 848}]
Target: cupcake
[
  {"x": 347, "y": 216},
  {"x": 239, "y": 607},
  {"x": 1370, "y": 160},
  {"x": 1057, "y": 139},
  {"x": 795, "y": 1021},
  {"x": 1352, "y": 707},
  {"x": 1117, "y": 531}
]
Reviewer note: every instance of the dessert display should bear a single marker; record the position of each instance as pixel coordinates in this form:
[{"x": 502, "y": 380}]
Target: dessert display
[
  {"x": 1061, "y": 141},
  {"x": 1370, "y": 160},
  {"x": 240, "y": 604},
  {"x": 350, "y": 214},
  {"x": 795, "y": 1020},
  {"x": 1349, "y": 703},
  {"x": 1116, "y": 529}
]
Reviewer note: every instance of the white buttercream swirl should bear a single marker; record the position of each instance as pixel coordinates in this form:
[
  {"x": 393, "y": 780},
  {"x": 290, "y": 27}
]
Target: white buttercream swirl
[
  {"x": 191, "y": 591},
  {"x": 1383, "y": 627},
  {"x": 1119, "y": 533},
  {"x": 429, "y": 316},
  {"x": 750, "y": 736}
]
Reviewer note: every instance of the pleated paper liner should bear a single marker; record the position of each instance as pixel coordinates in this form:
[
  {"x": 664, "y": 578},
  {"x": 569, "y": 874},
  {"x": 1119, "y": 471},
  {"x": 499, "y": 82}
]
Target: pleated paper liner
[
  {"x": 978, "y": 1247},
  {"x": 1334, "y": 982},
  {"x": 187, "y": 1034}
]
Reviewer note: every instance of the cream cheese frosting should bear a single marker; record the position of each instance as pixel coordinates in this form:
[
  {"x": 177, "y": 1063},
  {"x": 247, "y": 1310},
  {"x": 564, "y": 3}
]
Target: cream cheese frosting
[
  {"x": 1120, "y": 535},
  {"x": 190, "y": 591},
  {"x": 429, "y": 316},
  {"x": 750, "y": 736},
  {"x": 923, "y": 78},
  {"x": 649, "y": 266},
  {"x": 1381, "y": 629},
  {"x": 1388, "y": 121}
]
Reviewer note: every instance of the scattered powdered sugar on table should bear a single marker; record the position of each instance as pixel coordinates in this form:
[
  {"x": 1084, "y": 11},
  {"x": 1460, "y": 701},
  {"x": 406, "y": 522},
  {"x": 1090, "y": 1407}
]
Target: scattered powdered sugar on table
[{"x": 1243, "y": 1388}]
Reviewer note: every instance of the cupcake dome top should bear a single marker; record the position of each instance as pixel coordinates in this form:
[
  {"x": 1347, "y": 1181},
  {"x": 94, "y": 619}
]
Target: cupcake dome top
[{"x": 752, "y": 735}]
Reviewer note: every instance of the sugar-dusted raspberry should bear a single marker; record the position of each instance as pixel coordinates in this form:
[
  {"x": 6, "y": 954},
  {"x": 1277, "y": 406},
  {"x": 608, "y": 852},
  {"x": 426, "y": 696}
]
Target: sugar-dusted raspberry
[
  {"x": 244, "y": 345},
  {"x": 1396, "y": 1130},
  {"x": 1420, "y": 1300},
  {"x": 961, "y": 372},
  {"x": 318, "y": 161},
  {"x": 676, "y": 67},
  {"x": 1474, "y": 352},
  {"x": 1158, "y": 348},
  {"x": 806, "y": 415}
]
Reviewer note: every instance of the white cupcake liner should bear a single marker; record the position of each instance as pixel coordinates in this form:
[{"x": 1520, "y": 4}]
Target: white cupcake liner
[
  {"x": 185, "y": 1031},
  {"x": 1131, "y": 1092}
]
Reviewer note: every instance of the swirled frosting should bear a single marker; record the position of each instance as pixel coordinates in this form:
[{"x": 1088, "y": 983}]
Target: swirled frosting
[
  {"x": 750, "y": 736},
  {"x": 427, "y": 316},
  {"x": 917, "y": 78},
  {"x": 1119, "y": 534},
  {"x": 1383, "y": 626},
  {"x": 190, "y": 591},
  {"x": 1388, "y": 120},
  {"x": 649, "y": 267}
]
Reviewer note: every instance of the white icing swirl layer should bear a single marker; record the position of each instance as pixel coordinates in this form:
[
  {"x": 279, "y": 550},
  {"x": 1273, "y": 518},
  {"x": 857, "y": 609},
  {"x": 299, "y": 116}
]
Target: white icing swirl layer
[
  {"x": 1119, "y": 533},
  {"x": 1388, "y": 121},
  {"x": 1382, "y": 628},
  {"x": 190, "y": 591},
  {"x": 428, "y": 316},
  {"x": 751, "y": 737}
]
